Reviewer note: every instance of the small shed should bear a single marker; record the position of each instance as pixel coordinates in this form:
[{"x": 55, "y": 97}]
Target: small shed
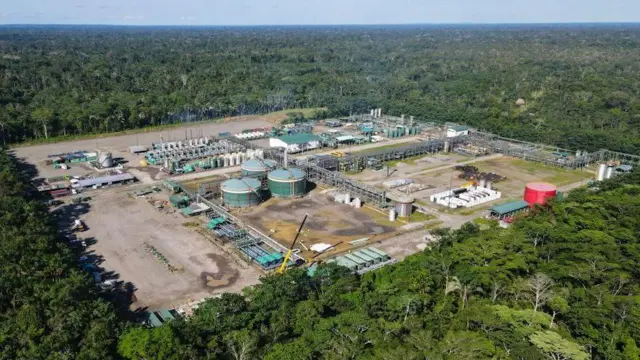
[
  {"x": 457, "y": 130},
  {"x": 508, "y": 209}
]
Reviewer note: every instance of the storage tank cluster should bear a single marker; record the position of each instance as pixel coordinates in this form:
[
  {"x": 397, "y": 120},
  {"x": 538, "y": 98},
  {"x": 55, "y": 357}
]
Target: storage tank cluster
[
  {"x": 248, "y": 190},
  {"x": 346, "y": 199},
  {"x": 539, "y": 193},
  {"x": 465, "y": 197},
  {"x": 400, "y": 131},
  {"x": 182, "y": 144}
]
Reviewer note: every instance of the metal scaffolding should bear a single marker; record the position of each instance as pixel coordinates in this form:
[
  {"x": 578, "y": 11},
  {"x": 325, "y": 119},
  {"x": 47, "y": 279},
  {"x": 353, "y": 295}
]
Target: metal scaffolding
[
  {"x": 541, "y": 153},
  {"x": 335, "y": 179}
]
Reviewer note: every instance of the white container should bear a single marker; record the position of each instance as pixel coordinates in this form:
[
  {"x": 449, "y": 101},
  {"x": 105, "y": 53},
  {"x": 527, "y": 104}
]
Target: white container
[{"x": 601, "y": 172}]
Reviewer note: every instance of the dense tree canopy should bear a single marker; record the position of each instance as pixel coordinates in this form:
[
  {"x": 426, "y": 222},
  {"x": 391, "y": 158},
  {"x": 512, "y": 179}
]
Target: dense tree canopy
[
  {"x": 579, "y": 83},
  {"x": 560, "y": 284},
  {"x": 49, "y": 309}
]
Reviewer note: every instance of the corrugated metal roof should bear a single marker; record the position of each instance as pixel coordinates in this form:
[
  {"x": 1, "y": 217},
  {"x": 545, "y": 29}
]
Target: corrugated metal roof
[
  {"x": 240, "y": 185},
  {"x": 258, "y": 165},
  {"x": 345, "y": 138},
  {"x": 301, "y": 138},
  {"x": 459, "y": 128},
  {"x": 509, "y": 207},
  {"x": 105, "y": 180},
  {"x": 287, "y": 174}
]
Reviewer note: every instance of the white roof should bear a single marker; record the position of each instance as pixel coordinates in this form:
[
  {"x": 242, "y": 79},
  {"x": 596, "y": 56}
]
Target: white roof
[{"x": 320, "y": 247}]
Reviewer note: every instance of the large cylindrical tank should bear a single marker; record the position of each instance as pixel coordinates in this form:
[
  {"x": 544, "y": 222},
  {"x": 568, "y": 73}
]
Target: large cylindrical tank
[
  {"x": 241, "y": 192},
  {"x": 105, "y": 160},
  {"x": 538, "y": 193},
  {"x": 284, "y": 183},
  {"x": 601, "y": 172},
  {"x": 256, "y": 167}
]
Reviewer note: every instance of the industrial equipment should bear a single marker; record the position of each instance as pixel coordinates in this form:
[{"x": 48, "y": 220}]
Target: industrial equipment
[{"x": 283, "y": 267}]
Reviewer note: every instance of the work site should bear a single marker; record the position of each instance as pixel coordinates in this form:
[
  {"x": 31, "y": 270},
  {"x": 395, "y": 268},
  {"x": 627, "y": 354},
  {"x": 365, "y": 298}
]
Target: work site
[{"x": 187, "y": 214}]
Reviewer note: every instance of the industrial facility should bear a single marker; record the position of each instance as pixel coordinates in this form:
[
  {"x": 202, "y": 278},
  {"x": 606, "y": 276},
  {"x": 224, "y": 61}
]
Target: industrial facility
[{"x": 364, "y": 179}]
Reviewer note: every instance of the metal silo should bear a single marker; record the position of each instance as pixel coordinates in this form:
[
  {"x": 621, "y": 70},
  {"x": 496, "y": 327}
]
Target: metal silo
[
  {"x": 257, "y": 168},
  {"x": 241, "y": 192},
  {"x": 284, "y": 183},
  {"x": 105, "y": 160}
]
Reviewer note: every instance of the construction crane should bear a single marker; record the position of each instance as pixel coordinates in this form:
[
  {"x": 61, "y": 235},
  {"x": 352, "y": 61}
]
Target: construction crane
[{"x": 283, "y": 267}]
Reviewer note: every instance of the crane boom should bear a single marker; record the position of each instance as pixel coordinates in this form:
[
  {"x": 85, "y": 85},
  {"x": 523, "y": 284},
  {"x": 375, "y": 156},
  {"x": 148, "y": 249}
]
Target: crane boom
[{"x": 288, "y": 255}]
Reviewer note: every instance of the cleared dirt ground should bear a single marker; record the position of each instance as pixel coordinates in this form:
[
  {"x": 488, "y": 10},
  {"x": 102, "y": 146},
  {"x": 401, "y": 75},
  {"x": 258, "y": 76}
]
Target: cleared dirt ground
[
  {"x": 329, "y": 222},
  {"x": 437, "y": 173},
  {"x": 121, "y": 225}
]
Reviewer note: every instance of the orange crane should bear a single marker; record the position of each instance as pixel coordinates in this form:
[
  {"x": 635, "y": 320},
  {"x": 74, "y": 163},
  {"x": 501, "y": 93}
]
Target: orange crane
[{"x": 283, "y": 267}]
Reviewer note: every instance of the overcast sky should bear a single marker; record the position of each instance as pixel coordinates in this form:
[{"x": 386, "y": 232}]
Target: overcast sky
[{"x": 280, "y": 12}]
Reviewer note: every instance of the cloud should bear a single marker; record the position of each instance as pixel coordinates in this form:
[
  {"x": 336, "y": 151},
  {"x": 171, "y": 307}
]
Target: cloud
[{"x": 187, "y": 18}]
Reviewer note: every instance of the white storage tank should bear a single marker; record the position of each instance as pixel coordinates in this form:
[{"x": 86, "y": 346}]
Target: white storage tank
[
  {"x": 105, "y": 160},
  {"x": 601, "y": 172},
  {"x": 609, "y": 173}
]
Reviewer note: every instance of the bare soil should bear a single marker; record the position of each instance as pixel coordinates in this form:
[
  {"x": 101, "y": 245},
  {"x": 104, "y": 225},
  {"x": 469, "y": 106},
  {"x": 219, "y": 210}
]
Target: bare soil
[
  {"x": 328, "y": 222},
  {"x": 121, "y": 225}
]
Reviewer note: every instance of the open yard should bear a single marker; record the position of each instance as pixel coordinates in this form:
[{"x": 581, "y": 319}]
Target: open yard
[
  {"x": 123, "y": 230},
  {"x": 329, "y": 222},
  {"x": 436, "y": 173}
]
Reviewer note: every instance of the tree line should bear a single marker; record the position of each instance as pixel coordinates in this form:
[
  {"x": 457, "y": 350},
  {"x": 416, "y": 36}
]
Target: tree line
[
  {"x": 561, "y": 283},
  {"x": 577, "y": 81},
  {"x": 49, "y": 308}
]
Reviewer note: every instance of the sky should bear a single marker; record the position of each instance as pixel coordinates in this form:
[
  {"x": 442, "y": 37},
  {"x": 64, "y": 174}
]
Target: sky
[{"x": 314, "y": 12}]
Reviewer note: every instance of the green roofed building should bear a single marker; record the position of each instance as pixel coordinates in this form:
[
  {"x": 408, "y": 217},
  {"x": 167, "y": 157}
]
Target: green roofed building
[{"x": 508, "y": 209}]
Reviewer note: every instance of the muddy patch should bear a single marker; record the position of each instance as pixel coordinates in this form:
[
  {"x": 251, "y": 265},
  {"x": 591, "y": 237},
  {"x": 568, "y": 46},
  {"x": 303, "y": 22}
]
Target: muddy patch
[{"x": 226, "y": 275}]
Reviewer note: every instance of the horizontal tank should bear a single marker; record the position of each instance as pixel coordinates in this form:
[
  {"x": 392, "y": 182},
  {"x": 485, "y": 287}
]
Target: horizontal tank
[
  {"x": 255, "y": 167},
  {"x": 538, "y": 193},
  {"x": 241, "y": 192},
  {"x": 284, "y": 183}
]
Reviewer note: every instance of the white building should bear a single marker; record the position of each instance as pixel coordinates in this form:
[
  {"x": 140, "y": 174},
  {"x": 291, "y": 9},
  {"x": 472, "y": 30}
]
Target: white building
[
  {"x": 296, "y": 142},
  {"x": 458, "y": 130}
]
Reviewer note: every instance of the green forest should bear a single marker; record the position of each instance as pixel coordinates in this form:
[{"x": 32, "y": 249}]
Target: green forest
[
  {"x": 562, "y": 283},
  {"x": 579, "y": 82}
]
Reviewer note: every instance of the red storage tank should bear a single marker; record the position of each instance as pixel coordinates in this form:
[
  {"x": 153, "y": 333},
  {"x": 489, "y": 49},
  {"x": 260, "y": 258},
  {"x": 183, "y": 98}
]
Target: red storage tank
[{"x": 538, "y": 193}]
